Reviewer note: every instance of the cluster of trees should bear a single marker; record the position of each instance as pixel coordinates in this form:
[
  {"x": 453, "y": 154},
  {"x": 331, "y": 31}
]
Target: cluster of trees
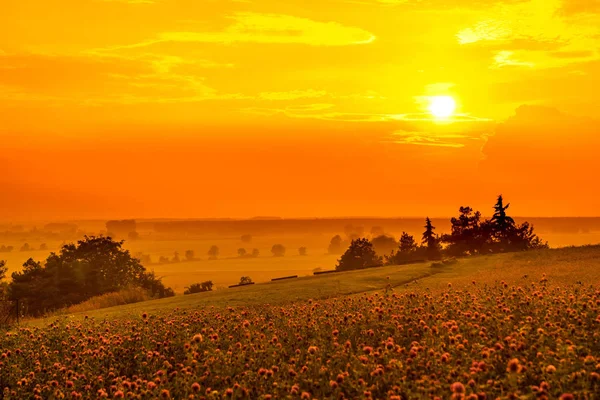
[
  {"x": 206, "y": 286},
  {"x": 469, "y": 235},
  {"x": 92, "y": 267},
  {"x": 243, "y": 253},
  {"x": 6, "y": 249}
]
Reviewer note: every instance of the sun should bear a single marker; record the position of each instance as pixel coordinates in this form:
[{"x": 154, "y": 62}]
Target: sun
[{"x": 442, "y": 107}]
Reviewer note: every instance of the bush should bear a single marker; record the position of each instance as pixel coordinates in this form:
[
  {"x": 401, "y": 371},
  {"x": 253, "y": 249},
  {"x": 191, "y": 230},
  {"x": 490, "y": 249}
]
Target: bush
[
  {"x": 205, "y": 286},
  {"x": 245, "y": 280}
]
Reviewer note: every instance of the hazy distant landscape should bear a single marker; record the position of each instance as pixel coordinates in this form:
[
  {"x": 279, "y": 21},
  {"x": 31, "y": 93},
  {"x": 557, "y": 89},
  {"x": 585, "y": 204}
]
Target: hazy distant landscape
[{"x": 163, "y": 238}]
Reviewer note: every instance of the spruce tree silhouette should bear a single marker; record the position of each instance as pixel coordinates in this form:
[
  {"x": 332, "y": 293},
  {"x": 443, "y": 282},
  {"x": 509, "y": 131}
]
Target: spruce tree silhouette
[
  {"x": 503, "y": 226},
  {"x": 430, "y": 240}
]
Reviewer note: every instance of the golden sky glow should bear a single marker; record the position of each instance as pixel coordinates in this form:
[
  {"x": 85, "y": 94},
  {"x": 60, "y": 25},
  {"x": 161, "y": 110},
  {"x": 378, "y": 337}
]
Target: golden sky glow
[{"x": 186, "y": 108}]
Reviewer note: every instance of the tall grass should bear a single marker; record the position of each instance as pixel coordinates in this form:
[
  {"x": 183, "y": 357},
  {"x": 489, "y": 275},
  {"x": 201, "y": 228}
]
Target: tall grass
[{"x": 122, "y": 297}]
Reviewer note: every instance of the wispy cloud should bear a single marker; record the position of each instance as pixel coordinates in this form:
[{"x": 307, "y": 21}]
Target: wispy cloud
[
  {"x": 428, "y": 139},
  {"x": 268, "y": 28},
  {"x": 273, "y": 28},
  {"x": 506, "y": 59},
  {"x": 292, "y": 95},
  {"x": 541, "y": 28},
  {"x": 132, "y": 1}
]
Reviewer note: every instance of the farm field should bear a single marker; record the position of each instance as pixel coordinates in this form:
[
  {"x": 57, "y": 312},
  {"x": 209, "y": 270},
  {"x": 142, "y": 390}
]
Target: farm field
[{"x": 522, "y": 325}]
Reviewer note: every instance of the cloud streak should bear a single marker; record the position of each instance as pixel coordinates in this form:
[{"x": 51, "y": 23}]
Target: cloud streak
[{"x": 277, "y": 29}]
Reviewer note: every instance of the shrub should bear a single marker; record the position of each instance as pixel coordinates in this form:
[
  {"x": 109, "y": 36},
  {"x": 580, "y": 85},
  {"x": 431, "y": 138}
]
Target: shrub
[
  {"x": 205, "y": 286},
  {"x": 245, "y": 280}
]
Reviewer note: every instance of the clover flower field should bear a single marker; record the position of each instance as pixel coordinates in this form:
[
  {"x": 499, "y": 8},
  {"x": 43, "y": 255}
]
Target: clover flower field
[{"x": 504, "y": 341}]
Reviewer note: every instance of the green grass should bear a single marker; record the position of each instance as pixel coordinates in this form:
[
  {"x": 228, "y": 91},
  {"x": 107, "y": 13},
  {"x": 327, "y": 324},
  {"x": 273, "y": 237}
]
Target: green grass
[{"x": 565, "y": 266}]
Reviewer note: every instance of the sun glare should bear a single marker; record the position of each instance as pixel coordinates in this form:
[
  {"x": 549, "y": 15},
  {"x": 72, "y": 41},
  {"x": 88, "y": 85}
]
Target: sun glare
[{"x": 442, "y": 107}]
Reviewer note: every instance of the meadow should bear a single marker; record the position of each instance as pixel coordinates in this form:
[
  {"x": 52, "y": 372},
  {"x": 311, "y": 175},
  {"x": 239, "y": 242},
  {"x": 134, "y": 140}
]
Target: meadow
[{"x": 509, "y": 326}]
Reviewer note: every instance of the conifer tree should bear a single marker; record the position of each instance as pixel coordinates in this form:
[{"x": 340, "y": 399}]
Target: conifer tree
[
  {"x": 502, "y": 225},
  {"x": 430, "y": 240}
]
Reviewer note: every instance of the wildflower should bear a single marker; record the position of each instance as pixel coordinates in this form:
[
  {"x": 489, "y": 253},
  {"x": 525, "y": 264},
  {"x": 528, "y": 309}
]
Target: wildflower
[
  {"x": 514, "y": 366},
  {"x": 457, "y": 387}
]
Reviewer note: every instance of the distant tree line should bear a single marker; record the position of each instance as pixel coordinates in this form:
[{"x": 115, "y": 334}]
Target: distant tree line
[
  {"x": 469, "y": 235},
  {"x": 92, "y": 267}
]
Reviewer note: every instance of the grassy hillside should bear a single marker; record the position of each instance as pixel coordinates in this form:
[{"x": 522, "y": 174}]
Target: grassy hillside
[
  {"x": 565, "y": 266},
  {"x": 512, "y": 326}
]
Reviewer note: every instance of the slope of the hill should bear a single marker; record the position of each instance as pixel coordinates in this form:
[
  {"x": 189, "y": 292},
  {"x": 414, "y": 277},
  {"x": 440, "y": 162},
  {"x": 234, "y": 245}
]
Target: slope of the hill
[{"x": 566, "y": 265}]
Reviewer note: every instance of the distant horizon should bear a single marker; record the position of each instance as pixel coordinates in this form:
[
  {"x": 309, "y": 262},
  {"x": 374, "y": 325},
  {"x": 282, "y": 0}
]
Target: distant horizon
[{"x": 274, "y": 218}]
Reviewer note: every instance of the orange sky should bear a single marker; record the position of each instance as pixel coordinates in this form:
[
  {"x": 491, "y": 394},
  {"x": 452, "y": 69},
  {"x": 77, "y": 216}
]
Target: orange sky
[{"x": 215, "y": 108}]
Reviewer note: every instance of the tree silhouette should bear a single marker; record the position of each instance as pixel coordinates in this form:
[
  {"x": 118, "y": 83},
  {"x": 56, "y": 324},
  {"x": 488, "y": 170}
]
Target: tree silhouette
[
  {"x": 246, "y": 238},
  {"x": 384, "y": 244},
  {"x": 213, "y": 253},
  {"x": 431, "y": 241},
  {"x": 407, "y": 248},
  {"x": 205, "y": 286},
  {"x": 359, "y": 255},
  {"x": 93, "y": 266},
  {"x": 245, "y": 280},
  {"x": 255, "y": 253},
  {"x": 502, "y": 225},
  {"x": 242, "y": 252},
  {"x": 302, "y": 251},
  {"x": 407, "y": 243},
  {"x": 3, "y": 269},
  {"x": 190, "y": 255},
  {"x": 468, "y": 234},
  {"x": 336, "y": 245},
  {"x": 278, "y": 250}
]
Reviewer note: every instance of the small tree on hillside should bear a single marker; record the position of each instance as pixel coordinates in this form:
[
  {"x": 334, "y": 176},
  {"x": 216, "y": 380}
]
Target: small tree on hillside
[
  {"x": 245, "y": 280},
  {"x": 359, "y": 255},
  {"x": 302, "y": 251},
  {"x": 255, "y": 253},
  {"x": 406, "y": 251},
  {"x": 407, "y": 245},
  {"x": 468, "y": 234},
  {"x": 430, "y": 241},
  {"x": 242, "y": 252},
  {"x": 278, "y": 250},
  {"x": 502, "y": 225}
]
